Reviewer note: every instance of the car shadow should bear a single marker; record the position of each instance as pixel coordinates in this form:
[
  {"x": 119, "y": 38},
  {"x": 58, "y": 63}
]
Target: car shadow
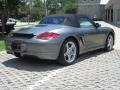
[
  {"x": 37, "y": 65},
  {"x": 90, "y": 54},
  {"x": 32, "y": 64}
]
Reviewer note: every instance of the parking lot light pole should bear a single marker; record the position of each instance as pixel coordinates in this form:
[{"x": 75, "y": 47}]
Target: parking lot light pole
[{"x": 46, "y": 10}]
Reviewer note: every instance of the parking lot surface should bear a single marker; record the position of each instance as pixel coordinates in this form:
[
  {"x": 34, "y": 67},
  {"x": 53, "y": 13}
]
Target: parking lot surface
[{"x": 96, "y": 70}]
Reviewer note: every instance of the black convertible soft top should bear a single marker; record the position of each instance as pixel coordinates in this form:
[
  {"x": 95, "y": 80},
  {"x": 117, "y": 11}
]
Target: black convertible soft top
[{"x": 72, "y": 19}]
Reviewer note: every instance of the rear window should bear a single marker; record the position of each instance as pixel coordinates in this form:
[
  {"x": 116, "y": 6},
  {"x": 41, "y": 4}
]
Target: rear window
[{"x": 53, "y": 20}]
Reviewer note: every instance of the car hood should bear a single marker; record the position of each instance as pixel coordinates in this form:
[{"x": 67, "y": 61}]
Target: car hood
[{"x": 40, "y": 28}]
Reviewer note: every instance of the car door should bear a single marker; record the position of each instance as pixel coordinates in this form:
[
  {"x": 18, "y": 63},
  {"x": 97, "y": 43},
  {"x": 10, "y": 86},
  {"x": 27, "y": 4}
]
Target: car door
[{"x": 91, "y": 35}]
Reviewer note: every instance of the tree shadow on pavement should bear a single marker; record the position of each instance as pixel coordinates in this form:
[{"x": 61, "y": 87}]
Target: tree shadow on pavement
[{"x": 37, "y": 65}]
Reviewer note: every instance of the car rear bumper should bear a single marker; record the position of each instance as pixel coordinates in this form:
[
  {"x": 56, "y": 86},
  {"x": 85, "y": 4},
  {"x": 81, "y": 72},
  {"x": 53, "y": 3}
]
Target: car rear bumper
[
  {"x": 42, "y": 50},
  {"x": 49, "y": 56}
]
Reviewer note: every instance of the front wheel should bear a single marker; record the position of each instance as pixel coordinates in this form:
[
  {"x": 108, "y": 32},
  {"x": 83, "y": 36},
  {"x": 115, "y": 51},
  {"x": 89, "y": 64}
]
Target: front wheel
[
  {"x": 109, "y": 43},
  {"x": 68, "y": 53}
]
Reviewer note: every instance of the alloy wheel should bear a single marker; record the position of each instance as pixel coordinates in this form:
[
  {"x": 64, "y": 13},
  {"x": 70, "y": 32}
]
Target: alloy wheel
[
  {"x": 70, "y": 52},
  {"x": 110, "y": 42}
]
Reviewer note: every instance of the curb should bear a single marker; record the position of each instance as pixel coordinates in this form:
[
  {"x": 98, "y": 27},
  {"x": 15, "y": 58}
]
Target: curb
[
  {"x": 2, "y": 52},
  {"x": 24, "y": 25}
]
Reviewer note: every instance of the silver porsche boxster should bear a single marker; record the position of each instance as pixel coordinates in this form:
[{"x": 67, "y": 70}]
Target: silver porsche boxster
[{"x": 60, "y": 37}]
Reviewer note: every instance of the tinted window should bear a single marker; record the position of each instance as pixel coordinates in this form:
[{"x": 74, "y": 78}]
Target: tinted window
[
  {"x": 53, "y": 20},
  {"x": 85, "y": 22}
]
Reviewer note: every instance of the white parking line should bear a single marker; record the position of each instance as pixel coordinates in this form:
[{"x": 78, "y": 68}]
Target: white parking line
[{"x": 45, "y": 79}]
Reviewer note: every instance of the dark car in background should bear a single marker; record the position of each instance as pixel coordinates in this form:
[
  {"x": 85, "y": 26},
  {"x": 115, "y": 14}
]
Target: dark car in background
[{"x": 9, "y": 25}]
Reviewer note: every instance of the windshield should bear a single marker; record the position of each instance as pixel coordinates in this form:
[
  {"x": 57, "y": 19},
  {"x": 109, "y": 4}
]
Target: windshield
[{"x": 53, "y": 20}]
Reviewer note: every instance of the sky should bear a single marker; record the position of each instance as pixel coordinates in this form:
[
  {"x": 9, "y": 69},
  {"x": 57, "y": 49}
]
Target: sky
[{"x": 104, "y": 1}]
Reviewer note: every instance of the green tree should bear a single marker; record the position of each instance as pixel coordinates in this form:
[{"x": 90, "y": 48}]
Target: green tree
[
  {"x": 62, "y": 6},
  {"x": 69, "y": 6},
  {"x": 53, "y": 6},
  {"x": 7, "y": 7},
  {"x": 38, "y": 9},
  {"x": 34, "y": 8}
]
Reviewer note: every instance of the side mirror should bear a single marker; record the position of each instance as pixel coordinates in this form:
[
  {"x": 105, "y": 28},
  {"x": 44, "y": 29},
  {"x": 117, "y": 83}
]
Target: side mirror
[{"x": 97, "y": 25}]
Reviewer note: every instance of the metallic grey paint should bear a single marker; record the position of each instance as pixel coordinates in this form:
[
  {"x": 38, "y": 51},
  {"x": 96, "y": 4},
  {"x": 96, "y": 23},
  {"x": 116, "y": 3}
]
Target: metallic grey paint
[{"x": 88, "y": 39}]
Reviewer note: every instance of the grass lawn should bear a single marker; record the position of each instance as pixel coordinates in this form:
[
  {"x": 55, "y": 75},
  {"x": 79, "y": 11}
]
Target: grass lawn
[{"x": 2, "y": 44}]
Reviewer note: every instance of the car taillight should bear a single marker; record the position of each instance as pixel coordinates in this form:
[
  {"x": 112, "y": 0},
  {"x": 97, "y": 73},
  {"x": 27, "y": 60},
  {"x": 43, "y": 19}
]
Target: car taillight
[{"x": 47, "y": 35}]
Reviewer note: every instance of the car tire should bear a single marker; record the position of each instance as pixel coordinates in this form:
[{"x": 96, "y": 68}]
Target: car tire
[
  {"x": 109, "y": 43},
  {"x": 18, "y": 55},
  {"x": 68, "y": 53}
]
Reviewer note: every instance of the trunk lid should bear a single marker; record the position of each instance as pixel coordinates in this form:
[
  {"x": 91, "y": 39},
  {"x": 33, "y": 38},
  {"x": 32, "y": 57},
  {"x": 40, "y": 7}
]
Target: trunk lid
[{"x": 38, "y": 29}]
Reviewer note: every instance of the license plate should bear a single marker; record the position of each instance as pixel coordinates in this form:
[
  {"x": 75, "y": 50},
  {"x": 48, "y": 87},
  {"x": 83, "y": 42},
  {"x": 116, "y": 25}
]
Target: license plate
[{"x": 16, "y": 46}]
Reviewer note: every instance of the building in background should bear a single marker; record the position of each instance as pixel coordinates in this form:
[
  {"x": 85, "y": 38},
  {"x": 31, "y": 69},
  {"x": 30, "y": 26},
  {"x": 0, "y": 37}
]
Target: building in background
[
  {"x": 113, "y": 12},
  {"x": 92, "y": 8}
]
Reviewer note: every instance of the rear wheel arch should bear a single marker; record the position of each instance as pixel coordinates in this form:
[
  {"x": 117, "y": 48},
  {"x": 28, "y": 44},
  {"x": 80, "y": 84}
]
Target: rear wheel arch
[
  {"x": 75, "y": 39},
  {"x": 61, "y": 57}
]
